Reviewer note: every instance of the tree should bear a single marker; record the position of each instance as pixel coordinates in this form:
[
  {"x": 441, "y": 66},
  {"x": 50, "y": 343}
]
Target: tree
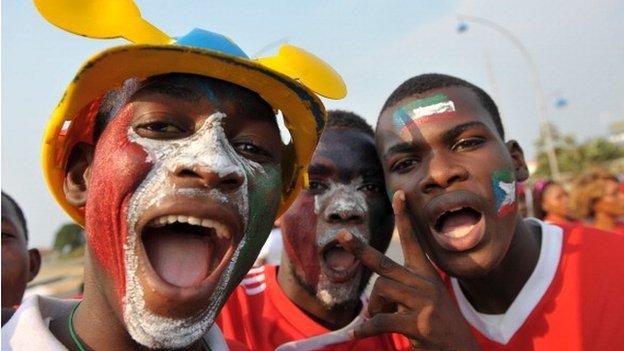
[
  {"x": 573, "y": 157},
  {"x": 68, "y": 239}
]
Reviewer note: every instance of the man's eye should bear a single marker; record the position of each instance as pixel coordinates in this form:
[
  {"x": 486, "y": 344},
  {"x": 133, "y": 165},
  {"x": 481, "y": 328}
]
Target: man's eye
[
  {"x": 467, "y": 144},
  {"x": 404, "y": 165},
  {"x": 371, "y": 188},
  {"x": 249, "y": 149},
  {"x": 316, "y": 186},
  {"x": 160, "y": 130}
]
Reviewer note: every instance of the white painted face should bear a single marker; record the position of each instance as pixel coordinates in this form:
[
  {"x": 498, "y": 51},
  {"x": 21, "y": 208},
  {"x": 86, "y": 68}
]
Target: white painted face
[
  {"x": 338, "y": 203},
  {"x": 210, "y": 149}
]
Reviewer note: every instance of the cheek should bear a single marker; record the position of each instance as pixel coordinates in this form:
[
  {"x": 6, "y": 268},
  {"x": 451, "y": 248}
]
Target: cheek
[
  {"x": 299, "y": 233},
  {"x": 118, "y": 168}
]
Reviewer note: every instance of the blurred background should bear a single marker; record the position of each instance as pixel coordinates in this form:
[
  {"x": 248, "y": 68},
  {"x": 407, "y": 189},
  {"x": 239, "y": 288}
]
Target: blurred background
[{"x": 553, "y": 67}]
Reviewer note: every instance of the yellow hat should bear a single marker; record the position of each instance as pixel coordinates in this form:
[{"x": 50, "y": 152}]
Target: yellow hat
[{"x": 287, "y": 81}]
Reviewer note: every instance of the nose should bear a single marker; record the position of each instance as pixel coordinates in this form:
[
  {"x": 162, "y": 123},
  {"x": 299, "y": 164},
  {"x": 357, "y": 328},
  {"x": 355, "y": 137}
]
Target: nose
[
  {"x": 203, "y": 176},
  {"x": 443, "y": 171},
  {"x": 345, "y": 208}
]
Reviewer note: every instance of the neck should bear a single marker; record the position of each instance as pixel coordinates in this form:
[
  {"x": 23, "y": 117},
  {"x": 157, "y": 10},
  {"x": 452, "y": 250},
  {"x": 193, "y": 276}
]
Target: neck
[
  {"x": 555, "y": 218},
  {"x": 604, "y": 221},
  {"x": 97, "y": 323},
  {"x": 331, "y": 319},
  {"x": 494, "y": 292}
]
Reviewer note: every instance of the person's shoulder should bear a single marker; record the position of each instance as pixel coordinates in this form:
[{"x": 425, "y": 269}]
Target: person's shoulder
[
  {"x": 7, "y": 313},
  {"x": 594, "y": 246}
]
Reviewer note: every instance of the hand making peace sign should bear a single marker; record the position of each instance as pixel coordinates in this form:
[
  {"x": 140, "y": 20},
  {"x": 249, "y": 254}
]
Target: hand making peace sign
[{"x": 409, "y": 299}]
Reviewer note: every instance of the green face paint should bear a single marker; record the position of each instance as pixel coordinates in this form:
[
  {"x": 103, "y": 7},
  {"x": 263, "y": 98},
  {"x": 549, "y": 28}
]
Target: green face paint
[
  {"x": 409, "y": 116},
  {"x": 264, "y": 199},
  {"x": 504, "y": 187}
]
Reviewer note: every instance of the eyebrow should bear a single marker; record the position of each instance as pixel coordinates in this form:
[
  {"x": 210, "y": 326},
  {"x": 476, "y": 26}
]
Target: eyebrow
[
  {"x": 400, "y": 148},
  {"x": 319, "y": 169},
  {"x": 450, "y": 135}
]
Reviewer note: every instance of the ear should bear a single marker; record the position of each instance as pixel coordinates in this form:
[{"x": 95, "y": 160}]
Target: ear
[
  {"x": 34, "y": 261},
  {"x": 517, "y": 156},
  {"x": 77, "y": 174}
]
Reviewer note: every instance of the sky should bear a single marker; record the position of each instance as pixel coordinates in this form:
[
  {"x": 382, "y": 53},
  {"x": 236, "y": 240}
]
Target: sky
[{"x": 375, "y": 45}]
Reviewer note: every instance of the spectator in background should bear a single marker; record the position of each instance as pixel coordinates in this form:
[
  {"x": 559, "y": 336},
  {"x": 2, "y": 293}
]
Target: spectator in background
[
  {"x": 597, "y": 198},
  {"x": 19, "y": 265},
  {"x": 551, "y": 202}
]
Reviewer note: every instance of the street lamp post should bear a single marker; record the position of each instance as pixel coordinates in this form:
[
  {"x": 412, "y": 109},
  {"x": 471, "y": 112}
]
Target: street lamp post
[{"x": 535, "y": 81}]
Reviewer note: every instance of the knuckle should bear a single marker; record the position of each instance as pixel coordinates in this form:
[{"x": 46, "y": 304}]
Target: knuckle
[{"x": 385, "y": 264}]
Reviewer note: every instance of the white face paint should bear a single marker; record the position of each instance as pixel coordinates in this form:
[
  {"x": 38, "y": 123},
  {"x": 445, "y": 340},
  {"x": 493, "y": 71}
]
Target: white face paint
[
  {"x": 210, "y": 149},
  {"x": 343, "y": 200}
]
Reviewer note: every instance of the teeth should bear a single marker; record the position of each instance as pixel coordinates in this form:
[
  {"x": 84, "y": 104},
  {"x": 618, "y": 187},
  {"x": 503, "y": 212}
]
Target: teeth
[
  {"x": 460, "y": 232},
  {"x": 220, "y": 229}
]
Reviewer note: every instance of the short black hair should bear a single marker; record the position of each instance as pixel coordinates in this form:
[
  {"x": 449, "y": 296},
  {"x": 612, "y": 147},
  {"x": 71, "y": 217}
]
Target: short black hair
[
  {"x": 18, "y": 210},
  {"x": 348, "y": 120},
  {"x": 168, "y": 83},
  {"x": 430, "y": 81}
]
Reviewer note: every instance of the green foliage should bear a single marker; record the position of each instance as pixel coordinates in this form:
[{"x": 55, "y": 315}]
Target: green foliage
[
  {"x": 69, "y": 240},
  {"x": 574, "y": 157}
]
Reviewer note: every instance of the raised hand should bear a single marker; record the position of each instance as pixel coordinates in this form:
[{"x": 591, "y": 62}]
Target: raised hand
[{"x": 409, "y": 299}]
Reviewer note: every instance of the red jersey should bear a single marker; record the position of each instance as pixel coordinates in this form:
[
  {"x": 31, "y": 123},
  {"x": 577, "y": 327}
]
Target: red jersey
[
  {"x": 261, "y": 316},
  {"x": 574, "y": 299}
]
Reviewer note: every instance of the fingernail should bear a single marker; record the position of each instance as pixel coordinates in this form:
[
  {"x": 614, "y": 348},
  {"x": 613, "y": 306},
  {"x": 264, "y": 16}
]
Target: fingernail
[
  {"x": 402, "y": 195},
  {"x": 346, "y": 235}
]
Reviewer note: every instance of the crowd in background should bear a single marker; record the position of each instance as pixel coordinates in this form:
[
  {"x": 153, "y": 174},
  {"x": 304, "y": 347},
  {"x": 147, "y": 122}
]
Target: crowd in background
[{"x": 593, "y": 199}]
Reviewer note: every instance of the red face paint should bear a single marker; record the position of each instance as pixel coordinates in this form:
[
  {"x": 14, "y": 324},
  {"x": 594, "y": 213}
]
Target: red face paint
[
  {"x": 118, "y": 167},
  {"x": 299, "y": 233}
]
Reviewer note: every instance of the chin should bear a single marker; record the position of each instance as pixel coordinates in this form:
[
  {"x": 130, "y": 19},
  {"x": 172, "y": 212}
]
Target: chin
[{"x": 334, "y": 295}]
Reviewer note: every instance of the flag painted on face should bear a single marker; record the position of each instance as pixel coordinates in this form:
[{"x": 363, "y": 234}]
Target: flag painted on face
[
  {"x": 504, "y": 186},
  {"x": 410, "y": 115}
]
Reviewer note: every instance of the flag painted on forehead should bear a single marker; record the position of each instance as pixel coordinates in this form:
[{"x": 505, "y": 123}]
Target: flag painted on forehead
[{"x": 409, "y": 116}]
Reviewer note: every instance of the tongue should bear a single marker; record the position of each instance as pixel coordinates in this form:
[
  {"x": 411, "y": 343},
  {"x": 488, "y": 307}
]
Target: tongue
[
  {"x": 180, "y": 259},
  {"x": 339, "y": 259},
  {"x": 458, "y": 224}
]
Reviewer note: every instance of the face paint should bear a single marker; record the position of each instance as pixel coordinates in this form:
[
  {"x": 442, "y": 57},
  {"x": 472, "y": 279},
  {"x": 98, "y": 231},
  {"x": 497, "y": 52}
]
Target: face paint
[
  {"x": 209, "y": 148},
  {"x": 504, "y": 186},
  {"x": 118, "y": 165},
  {"x": 347, "y": 202},
  {"x": 409, "y": 116}
]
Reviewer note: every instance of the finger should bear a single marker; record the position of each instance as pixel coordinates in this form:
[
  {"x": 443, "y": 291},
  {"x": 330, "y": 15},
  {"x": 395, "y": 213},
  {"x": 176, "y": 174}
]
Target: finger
[
  {"x": 378, "y": 262},
  {"x": 377, "y": 302},
  {"x": 381, "y": 324},
  {"x": 388, "y": 295},
  {"x": 415, "y": 258}
]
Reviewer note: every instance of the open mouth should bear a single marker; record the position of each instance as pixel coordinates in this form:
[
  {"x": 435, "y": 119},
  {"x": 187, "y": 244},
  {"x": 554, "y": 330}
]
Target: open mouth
[
  {"x": 185, "y": 250},
  {"x": 338, "y": 264},
  {"x": 459, "y": 229}
]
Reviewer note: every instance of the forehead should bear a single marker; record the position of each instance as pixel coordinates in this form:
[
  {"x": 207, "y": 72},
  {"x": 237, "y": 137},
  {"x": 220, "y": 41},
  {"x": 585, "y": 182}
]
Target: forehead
[
  {"x": 433, "y": 111},
  {"x": 345, "y": 150}
]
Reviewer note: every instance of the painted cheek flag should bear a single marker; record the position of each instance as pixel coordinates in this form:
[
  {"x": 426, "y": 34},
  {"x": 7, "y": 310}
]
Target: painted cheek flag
[
  {"x": 504, "y": 185},
  {"x": 410, "y": 115}
]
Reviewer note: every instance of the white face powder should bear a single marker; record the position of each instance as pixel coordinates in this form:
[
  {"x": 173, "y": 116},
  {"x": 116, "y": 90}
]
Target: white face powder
[
  {"x": 340, "y": 198},
  {"x": 209, "y": 148}
]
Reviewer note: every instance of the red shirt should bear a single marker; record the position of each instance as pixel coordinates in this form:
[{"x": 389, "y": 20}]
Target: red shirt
[
  {"x": 582, "y": 308},
  {"x": 261, "y": 316}
]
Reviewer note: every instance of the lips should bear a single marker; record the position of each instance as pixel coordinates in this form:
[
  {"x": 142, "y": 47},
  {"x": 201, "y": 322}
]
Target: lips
[
  {"x": 456, "y": 221},
  {"x": 185, "y": 244},
  {"x": 338, "y": 264}
]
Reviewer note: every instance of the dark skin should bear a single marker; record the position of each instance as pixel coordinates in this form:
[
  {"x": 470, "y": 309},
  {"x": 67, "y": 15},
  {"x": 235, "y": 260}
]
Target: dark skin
[
  {"x": 99, "y": 319},
  {"x": 609, "y": 207},
  {"x": 348, "y": 157},
  {"x": 19, "y": 264},
  {"x": 449, "y": 157}
]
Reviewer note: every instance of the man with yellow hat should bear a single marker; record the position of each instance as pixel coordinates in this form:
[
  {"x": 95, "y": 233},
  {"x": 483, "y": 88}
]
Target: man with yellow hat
[{"x": 168, "y": 152}]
